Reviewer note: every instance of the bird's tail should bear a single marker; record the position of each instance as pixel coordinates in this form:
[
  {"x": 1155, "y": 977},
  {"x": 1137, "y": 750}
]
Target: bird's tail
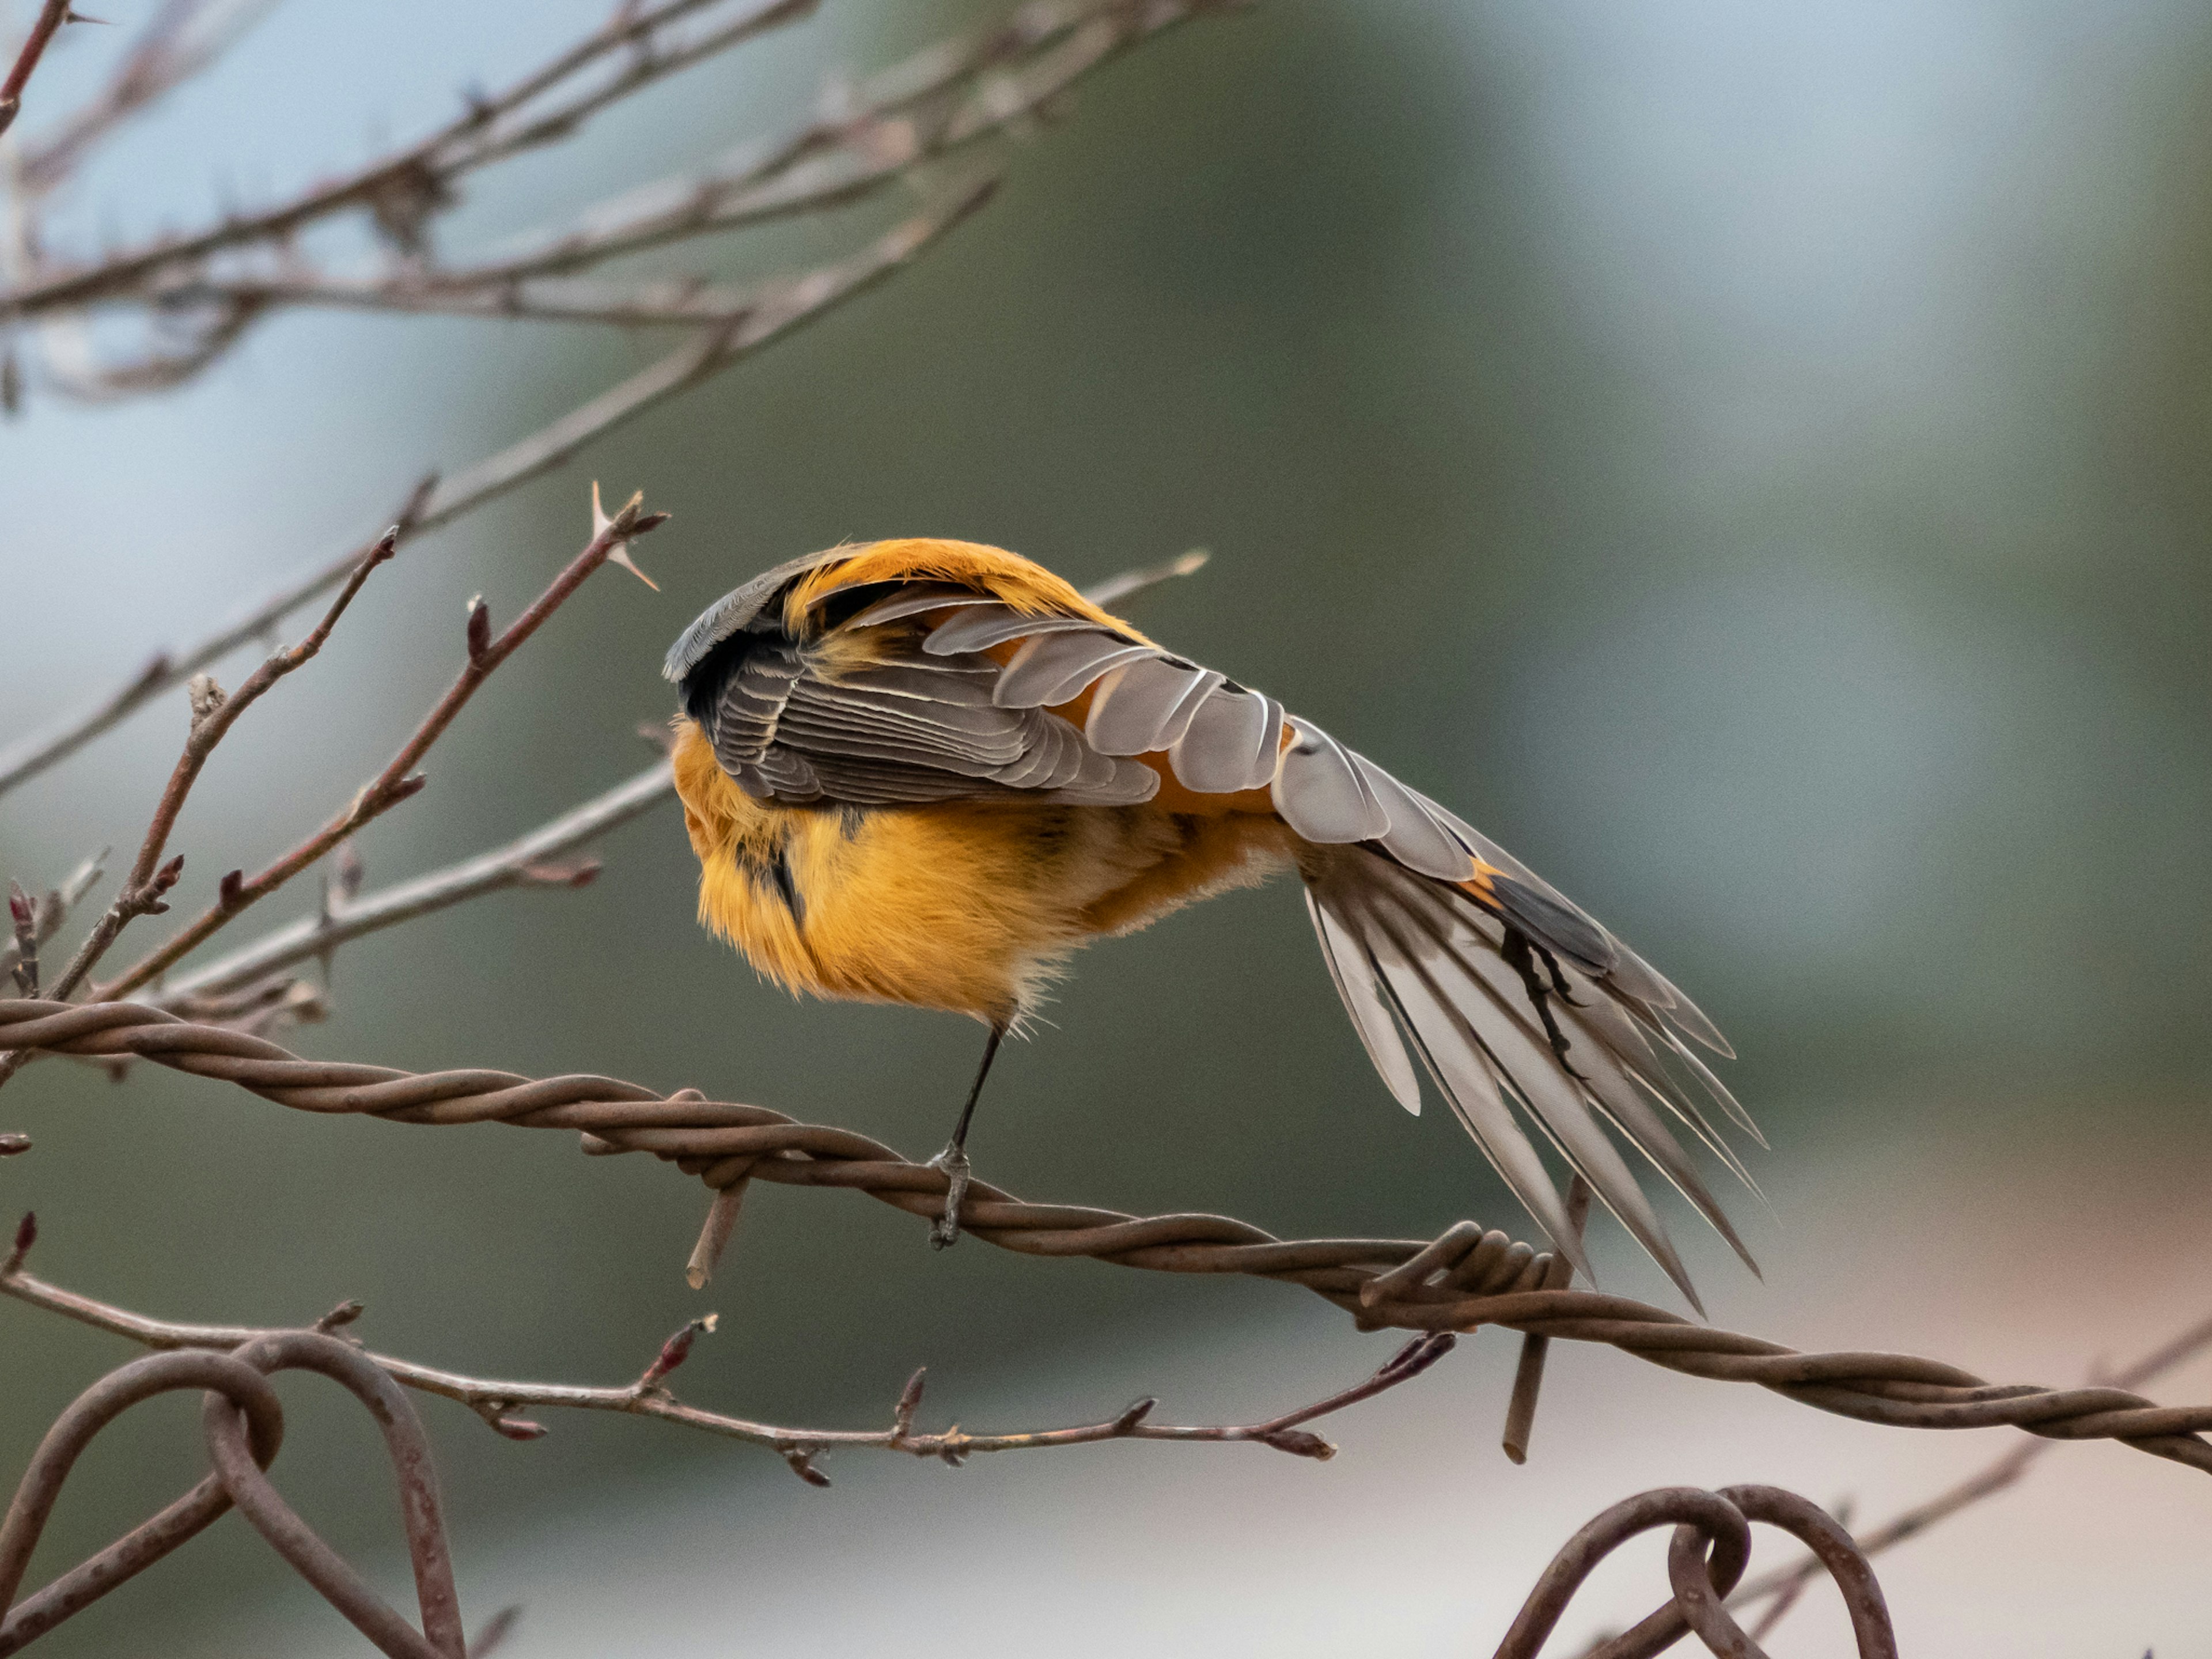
[{"x": 1521, "y": 1007}]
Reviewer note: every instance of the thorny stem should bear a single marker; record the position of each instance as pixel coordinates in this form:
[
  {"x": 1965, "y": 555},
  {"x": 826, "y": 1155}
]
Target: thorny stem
[
  {"x": 497, "y": 1401},
  {"x": 212, "y": 715},
  {"x": 398, "y": 780},
  {"x": 175, "y": 45},
  {"x": 53, "y": 908},
  {"x": 51, "y": 15}
]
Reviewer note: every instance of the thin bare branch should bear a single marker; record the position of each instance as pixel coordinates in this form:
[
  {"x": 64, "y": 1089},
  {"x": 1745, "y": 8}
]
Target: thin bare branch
[
  {"x": 51, "y": 15},
  {"x": 212, "y": 715},
  {"x": 682, "y": 302},
  {"x": 182, "y": 39},
  {"x": 52, "y": 909},
  {"x": 398, "y": 780},
  {"x": 401, "y": 189},
  {"x": 435, "y": 505},
  {"x": 524, "y": 862},
  {"x": 496, "y": 1401},
  {"x": 945, "y": 99}
]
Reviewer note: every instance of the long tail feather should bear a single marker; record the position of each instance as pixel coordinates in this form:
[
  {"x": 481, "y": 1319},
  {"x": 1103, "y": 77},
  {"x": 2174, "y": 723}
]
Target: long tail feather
[{"x": 1575, "y": 1053}]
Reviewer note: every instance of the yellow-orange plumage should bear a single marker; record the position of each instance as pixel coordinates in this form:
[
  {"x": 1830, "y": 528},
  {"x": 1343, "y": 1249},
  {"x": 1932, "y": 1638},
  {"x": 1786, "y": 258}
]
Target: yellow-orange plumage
[{"x": 967, "y": 906}]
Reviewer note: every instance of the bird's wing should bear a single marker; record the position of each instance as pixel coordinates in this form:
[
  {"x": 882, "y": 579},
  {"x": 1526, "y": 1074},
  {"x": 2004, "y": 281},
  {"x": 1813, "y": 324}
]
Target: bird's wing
[
  {"x": 1533, "y": 1021},
  {"x": 895, "y": 725}
]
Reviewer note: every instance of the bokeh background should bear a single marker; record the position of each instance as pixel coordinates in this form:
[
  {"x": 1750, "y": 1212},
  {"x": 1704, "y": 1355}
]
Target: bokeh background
[{"x": 1752, "y": 460}]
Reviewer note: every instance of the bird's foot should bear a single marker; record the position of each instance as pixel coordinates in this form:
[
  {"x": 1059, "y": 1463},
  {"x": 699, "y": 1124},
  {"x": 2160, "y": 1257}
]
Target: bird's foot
[{"x": 944, "y": 1231}]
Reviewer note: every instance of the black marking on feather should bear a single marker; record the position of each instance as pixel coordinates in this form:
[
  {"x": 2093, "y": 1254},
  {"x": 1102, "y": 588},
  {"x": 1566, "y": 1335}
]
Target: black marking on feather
[
  {"x": 787, "y": 887},
  {"x": 851, "y": 820},
  {"x": 1520, "y": 953},
  {"x": 774, "y": 874},
  {"x": 1552, "y": 966},
  {"x": 1567, "y": 931},
  {"x": 847, "y": 602},
  {"x": 702, "y": 688}
]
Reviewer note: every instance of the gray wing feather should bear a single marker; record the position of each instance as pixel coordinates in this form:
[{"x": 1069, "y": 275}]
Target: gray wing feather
[
  {"x": 982, "y": 626},
  {"x": 1053, "y": 668},
  {"x": 1414, "y": 838},
  {"x": 1178, "y": 722},
  {"x": 781, "y": 773},
  {"x": 734, "y": 612},
  {"x": 746, "y": 714},
  {"x": 1554, "y": 1098},
  {"x": 1627, "y": 972},
  {"x": 1437, "y": 956},
  {"x": 1267, "y": 751},
  {"x": 1609, "y": 1078},
  {"x": 1469, "y": 1081},
  {"x": 1214, "y": 754},
  {"x": 1131, "y": 708},
  {"x": 1353, "y": 977},
  {"x": 1321, "y": 794}
]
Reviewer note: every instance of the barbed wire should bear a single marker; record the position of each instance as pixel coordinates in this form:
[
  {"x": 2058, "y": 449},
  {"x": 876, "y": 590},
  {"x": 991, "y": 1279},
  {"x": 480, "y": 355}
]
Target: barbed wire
[{"x": 1468, "y": 1277}]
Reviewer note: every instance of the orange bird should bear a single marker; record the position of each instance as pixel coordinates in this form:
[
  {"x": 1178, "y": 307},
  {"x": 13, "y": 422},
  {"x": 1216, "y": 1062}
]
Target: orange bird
[{"x": 925, "y": 772}]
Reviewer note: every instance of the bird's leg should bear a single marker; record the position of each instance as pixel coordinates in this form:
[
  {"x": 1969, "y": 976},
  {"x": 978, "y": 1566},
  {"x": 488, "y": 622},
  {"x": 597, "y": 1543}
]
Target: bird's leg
[{"x": 944, "y": 1231}]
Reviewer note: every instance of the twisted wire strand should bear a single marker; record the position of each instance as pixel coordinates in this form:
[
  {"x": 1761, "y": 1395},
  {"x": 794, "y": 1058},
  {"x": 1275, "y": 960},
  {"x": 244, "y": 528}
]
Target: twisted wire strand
[
  {"x": 1467, "y": 1278},
  {"x": 1705, "y": 1559}
]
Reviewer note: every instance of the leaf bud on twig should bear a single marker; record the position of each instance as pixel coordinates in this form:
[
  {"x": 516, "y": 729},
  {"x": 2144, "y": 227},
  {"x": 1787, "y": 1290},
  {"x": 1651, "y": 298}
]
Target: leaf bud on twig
[{"x": 479, "y": 634}]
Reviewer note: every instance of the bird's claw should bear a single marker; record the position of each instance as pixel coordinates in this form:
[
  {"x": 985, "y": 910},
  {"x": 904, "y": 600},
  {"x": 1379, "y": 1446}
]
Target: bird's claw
[{"x": 944, "y": 1231}]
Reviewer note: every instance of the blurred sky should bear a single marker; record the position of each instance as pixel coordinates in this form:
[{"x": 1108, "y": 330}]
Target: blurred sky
[{"x": 1752, "y": 461}]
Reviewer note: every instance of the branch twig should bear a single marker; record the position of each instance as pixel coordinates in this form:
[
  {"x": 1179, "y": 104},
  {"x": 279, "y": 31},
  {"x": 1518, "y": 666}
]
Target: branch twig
[
  {"x": 526, "y": 861},
  {"x": 183, "y": 38},
  {"x": 496, "y": 1401},
  {"x": 400, "y": 189},
  {"x": 399, "y": 780},
  {"x": 51, "y": 15},
  {"x": 212, "y": 715},
  {"x": 435, "y": 504}
]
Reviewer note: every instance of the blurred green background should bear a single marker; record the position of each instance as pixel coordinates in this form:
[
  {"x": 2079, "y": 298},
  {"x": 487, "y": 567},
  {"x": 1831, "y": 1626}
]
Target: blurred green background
[{"x": 1753, "y": 464}]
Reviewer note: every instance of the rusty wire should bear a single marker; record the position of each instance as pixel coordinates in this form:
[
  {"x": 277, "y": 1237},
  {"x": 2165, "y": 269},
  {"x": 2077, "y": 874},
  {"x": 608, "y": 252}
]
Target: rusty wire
[
  {"x": 1705, "y": 1559},
  {"x": 1465, "y": 1278},
  {"x": 244, "y": 1424}
]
